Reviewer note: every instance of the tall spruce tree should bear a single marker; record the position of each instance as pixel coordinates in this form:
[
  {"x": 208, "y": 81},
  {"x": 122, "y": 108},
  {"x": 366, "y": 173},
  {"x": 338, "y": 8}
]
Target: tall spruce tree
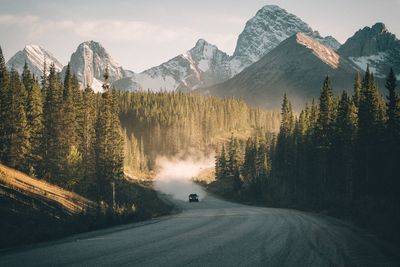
[
  {"x": 4, "y": 105},
  {"x": 17, "y": 138},
  {"x": 52, "y": 156},
  {"x": 357, "y": 90},
  {"x": 69, "y": 148},
  {"x": 34, "y": 114},
  {"x": 392, "y": 109},
  {"x": 283, "y": 159},
  {"x": 392, "y": 135},
  {"x": 370, "y": 129},
  {"x": 109, "y": 145}
]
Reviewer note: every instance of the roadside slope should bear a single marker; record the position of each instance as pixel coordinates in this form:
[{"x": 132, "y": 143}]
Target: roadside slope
[{"x": 34, "y": 210}]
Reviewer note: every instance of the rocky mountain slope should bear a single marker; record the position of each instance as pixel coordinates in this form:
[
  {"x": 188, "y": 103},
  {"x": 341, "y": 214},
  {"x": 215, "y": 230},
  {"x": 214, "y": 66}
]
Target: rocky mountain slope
[
  {"x": 205, "y": 64},
  {"x": 89, "y": 62},
  {"x": 202, "y": 65},
  {"x": 34, "y": 56},
  {"x": 266, "y": 30},
  {"x": 297, "y": 67},
  {"x": 374, "y": 46}
]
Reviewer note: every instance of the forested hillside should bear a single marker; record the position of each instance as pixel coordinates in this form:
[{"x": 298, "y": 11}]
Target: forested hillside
[
  {"x": 340, "y": 155},
  {"x": 73, "y": 138},
  {"x": 55, "y": 131},
  {"x": 178, "y": 124}
]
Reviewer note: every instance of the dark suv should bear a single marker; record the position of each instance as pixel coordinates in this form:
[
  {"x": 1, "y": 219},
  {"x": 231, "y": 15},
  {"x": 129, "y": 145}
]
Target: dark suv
[{"x": 193, "y": 198}]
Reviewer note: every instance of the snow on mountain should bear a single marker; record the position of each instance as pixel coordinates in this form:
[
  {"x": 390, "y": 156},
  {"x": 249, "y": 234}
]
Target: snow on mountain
[
  {"x": 297, "y": 66},
  {"x": 205, "y": 64},
  {"x": 373, "y": 46},
  {"x": 202, "y": 65},
  {"x": 265, "y": 31},
  {"x": 89, "y": 62},
  {"x": 34, "y": 56},
  {"x": 373, "y": 61}
]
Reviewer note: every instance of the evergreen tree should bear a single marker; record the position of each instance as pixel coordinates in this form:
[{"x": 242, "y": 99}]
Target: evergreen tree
[
  {"x": 392, "y": 135},
  {"x": 68, "y": 138},
  {"x": 283, "y": 159},
  {"x": 357, "y": 90},
  {"x": 4, "y": 105},
  {"x": 34, "y": 114},
  {"x": 343, "y": 147},
  {"x": 17, "y": 139},
  {"x": 326, "y": 114},
  {"x": 88, "y": 141},
  {"x": 221, "y": 164},
  {"x": 52, "y": 156},
  {"x": 109, "y": 145},
  {"x": 393, "y": 109},
  {"x": 370, "y": 129}
]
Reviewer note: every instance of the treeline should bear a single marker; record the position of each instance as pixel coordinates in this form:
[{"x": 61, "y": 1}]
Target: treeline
[
  {"x": 178, "y": 124},
  {"x": 53, "y": 130},
  {"x": 340, "y": 154}
]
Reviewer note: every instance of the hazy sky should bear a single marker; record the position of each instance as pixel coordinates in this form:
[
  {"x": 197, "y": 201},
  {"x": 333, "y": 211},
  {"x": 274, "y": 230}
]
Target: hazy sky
[{"x": 145, "y": 33}]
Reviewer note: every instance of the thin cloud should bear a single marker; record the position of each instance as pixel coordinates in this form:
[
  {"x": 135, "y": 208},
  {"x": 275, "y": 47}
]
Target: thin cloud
[{"x": 119, "y": 30}]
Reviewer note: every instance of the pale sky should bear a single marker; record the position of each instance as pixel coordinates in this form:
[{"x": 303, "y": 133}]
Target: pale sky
[{"x": 146, "y": 33}]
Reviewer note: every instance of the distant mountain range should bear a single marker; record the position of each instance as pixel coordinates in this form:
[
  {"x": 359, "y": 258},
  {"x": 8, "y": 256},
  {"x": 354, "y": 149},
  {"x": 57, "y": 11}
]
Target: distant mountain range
[
  {"x": 270, "y": 58},
  {"x": 297, "y": 66}
]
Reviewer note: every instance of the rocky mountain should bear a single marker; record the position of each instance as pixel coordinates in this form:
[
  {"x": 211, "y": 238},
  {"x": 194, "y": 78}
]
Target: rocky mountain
[
  {"x": 266, "y": 30},
  {"x": 205, "y": 64},
  {"x": 374, "y": 46},
  {"x": 89, "y": 62},
  {"x": 34, "y": 56},
  {"x": 202, "y": 65},
  {"x": 297, "y": 66}
]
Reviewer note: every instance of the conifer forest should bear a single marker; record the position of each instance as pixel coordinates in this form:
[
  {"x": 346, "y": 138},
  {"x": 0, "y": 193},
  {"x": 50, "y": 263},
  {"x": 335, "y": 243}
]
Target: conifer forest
[{"x": 339, "y": 154}]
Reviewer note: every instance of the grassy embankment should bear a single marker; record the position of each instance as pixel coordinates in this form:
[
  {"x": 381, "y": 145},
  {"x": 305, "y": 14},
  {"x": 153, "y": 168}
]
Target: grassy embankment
[{"x": 33, "y": 210}]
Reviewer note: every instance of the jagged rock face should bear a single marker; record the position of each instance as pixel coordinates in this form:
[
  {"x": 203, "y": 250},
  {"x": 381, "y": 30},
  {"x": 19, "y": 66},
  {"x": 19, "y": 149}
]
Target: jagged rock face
[
  {"x": 212, "y": 63},
  {"x": 89, "y": 63},
  {"x": 203, "y": 65},
  {"x": 297, "y": 66},
  {"x": 266, "y": 30},
  {"x": 34, "y": 56},
  {"x": 369, "y": 41},
  {"x": 374, "y": 46}
]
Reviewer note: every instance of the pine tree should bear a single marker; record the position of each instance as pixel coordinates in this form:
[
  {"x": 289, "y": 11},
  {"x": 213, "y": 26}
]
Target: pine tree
[
  {"x": 326, "y": 114},
  {"x": 34, "y": 114},
  {"x": 283, "y": 159},
  {"x": 392, "y": 110},
  {"x": 370, "y": 129},
  {"x": 221, "y": 164},
  {"x": 52, "y": 156},
  {"x": 234, "y": 164},
  {"x": 88, "y": 137},
  {"x": 357, "y": 90},
  {"x": 392, "y": 135},
  {"x": 68, "y": 137},
  {"x": 109, "y": 145},
  {"x": 343, "y": 147},
  {"x": 4, "y": 105},
  {"x": 17, "y": 139}
]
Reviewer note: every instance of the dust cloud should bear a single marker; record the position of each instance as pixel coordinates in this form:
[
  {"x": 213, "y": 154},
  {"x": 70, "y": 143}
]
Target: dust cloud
[{"x": 175, "y": 177}]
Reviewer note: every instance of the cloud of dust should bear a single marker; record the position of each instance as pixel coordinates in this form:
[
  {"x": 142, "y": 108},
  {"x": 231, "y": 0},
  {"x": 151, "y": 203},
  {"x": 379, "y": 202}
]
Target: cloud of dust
[{"x": 175, "y": 177}]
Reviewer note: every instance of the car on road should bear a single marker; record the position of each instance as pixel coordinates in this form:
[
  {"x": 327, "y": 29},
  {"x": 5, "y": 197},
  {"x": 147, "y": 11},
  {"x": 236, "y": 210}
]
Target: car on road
[{"x": 193, "y": 198}]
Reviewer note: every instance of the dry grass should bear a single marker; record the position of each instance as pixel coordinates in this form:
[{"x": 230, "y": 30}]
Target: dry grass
[{"x": 71, "y": 202}]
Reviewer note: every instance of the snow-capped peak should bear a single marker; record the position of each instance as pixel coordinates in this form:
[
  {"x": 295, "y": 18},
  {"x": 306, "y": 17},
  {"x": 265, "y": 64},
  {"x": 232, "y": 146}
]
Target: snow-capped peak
[
  {"x": 34, "y": 56},
  {"x": 89, "y": 62},
  {"x": 265, "y": 31}
]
